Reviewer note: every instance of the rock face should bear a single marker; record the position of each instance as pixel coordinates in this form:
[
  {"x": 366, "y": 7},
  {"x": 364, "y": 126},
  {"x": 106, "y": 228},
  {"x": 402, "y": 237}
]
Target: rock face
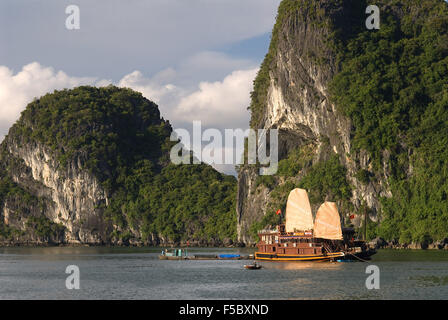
[
  {"x": 331, "y": 84},
  {"x": 71, "y": 196},
  {"x": 300, "y": 65},
  {"x": 92, "y": 166}
]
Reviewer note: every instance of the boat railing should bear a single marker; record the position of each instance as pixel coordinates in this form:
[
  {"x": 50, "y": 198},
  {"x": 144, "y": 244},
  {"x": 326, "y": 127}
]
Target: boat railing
[{"x": 268, "y": 231}]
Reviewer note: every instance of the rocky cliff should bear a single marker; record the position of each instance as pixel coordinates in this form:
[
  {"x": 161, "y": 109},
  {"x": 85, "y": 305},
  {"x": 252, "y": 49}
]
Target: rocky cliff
[
  {"x": 91, "y": 166},
  {"x": 312, "y": 44},
  {"x": 69, "y": 197}
]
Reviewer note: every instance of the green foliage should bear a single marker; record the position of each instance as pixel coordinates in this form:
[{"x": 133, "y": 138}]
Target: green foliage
[
  {"x": 394, "y": 88},
  {"x": 270, "y": 219},
  {"x": 278, "y": 198},
  {"x": 327, "y": 180},
  {"x": 118, "y": 136},
  {"x": 109, "y": 129},
  {"x": 44, "y": 228},
  {"x": 184, "y": 202},
  {"x": 292, "y": 13},
  {"x": 268, "y": 181},
  {"x": 262, "y": 81},
  {"x": 363, "y": 176},
  {"x": 22, "y": 201},
  {"x": 297, "y": 160}
]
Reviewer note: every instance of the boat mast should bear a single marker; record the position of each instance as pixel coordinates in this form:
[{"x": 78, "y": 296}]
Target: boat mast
[{"x": 365, "y": 222}]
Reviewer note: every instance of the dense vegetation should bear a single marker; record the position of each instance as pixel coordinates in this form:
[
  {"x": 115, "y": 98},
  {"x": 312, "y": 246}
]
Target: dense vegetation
[
  {"x": 119, "y": 137},
  {"x": 393, "y": 85},
  {"x": 21, "y": 201},
  {"x": 181, "y": 203},
  {"x": 325, "y": 181},
  {"x": 110, "y": 129}
]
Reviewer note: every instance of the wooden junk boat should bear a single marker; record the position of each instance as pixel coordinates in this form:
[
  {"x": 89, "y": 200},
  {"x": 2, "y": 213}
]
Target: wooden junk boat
[{"x": 301, "y": 239}]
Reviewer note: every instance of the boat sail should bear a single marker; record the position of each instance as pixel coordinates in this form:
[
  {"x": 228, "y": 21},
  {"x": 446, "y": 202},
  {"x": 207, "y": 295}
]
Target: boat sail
[
  {"x": 298, "y": 212},
  {"x": 301, "y": 239},
  {"x": 327, "y": 224}
]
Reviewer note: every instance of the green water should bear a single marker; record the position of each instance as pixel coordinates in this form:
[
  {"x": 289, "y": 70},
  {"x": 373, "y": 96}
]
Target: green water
[{"x": 136, "y": 273}]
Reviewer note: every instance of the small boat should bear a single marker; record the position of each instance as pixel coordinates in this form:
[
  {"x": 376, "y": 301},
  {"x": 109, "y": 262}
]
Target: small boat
[
  {"x": 254, "y": 266},
  {"x": 182, "y": 254},
  {"x": 345, "y": 260},
  {"x": 173, "y": 254}
]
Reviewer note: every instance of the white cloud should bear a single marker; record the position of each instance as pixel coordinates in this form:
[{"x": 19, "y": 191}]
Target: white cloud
[
  {"x": 210, "y": 65},
  {"x": 34, "y": 80},
  {"x": 221, "y": 104},
  {"x": 155, "y": 89},
  {"x": 183, "y": 97}
]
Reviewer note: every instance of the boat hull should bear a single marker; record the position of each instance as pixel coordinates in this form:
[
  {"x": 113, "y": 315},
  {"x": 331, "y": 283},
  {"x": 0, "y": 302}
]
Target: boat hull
[
  {"x": 299, "y": 257},
  {"x": 162, "y": 257},
  {"x": 361, "y": 256}
]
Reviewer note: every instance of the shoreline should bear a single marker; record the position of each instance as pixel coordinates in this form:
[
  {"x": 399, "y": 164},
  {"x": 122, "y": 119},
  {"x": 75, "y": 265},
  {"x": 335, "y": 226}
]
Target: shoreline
[
  {"x": 41, "y": 246},
  {"x": 75, "y": 245}
]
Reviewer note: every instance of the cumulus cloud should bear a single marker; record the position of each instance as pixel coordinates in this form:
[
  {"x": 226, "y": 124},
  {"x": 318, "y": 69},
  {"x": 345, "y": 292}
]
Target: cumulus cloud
[
  {"x": 221, "y": 104},
  {"x": 152, "y": 88},
  {"x": 34, "y": 80}
]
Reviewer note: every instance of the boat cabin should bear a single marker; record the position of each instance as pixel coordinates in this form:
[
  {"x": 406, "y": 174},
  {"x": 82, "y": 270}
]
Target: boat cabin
[
  {"x": 174, "y": 253},
  {"x": 291, "y": 243}
]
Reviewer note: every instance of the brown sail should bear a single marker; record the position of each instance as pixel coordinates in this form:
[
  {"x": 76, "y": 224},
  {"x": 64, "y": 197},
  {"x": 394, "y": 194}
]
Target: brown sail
[
  {"x": 327, "y": 224},
  {"x": 298, "y": 212}
]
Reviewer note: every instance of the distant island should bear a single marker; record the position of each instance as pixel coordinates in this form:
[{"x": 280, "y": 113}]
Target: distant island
[{"x": 91, "y": 166}]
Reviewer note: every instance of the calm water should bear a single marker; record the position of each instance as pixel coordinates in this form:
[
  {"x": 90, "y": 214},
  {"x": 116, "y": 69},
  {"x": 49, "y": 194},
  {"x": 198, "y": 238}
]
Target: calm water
[{"x": 124, "y": 273}]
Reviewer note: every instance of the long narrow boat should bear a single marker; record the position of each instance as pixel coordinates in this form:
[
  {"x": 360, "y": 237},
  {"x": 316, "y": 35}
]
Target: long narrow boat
[
  {"x": 182, "y": 254},
  {"x": 302, "y": 239}
]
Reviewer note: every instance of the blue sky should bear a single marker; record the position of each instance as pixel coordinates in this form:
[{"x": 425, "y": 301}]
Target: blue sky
[
  {"x": 117, "y": 37},
  {"x": 195, "y": 58}
]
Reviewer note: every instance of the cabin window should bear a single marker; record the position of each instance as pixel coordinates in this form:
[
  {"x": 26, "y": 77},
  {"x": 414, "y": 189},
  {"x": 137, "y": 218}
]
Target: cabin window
[
  {"x": 273, "y": 249},
  {"x": 294, "y": 245}
]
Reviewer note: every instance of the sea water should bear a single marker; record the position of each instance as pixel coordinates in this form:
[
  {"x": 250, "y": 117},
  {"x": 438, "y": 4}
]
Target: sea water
[{"x": 137, "y": 273}]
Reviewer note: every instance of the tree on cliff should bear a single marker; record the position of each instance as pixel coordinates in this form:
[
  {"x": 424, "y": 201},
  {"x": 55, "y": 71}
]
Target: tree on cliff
[{"x": 120, "y": 140}]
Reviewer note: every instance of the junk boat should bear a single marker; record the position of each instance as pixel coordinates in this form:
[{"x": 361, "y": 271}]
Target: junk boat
[{"x": 302, "y": 239}]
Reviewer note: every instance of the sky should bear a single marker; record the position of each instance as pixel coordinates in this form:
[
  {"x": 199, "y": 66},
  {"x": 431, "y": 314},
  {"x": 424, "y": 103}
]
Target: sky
[{"x": 195, "y": 58}]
